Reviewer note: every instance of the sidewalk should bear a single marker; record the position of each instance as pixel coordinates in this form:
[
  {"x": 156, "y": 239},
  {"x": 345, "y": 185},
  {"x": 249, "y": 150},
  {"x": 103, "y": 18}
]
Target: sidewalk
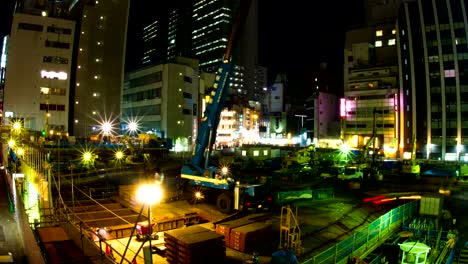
[{"x": 10, "y": 239}]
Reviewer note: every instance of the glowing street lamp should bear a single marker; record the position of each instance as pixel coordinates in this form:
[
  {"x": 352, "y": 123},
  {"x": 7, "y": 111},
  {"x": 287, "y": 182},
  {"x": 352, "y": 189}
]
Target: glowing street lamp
[
  {"x": 17, "y": 126},
  {"x": 149, "y": 194},
  {"x": 133, "y": 127},
  {"x": 106, "y": 128},
  {"x": 87, "y": 157},
  {"x": 119, "y": 155},
  {"x": 11, "y": 143}
]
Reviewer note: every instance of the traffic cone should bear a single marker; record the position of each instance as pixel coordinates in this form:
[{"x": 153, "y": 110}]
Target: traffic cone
[
  {"x": 108, "y": 250},
  {"x": 134, "y": 261}
]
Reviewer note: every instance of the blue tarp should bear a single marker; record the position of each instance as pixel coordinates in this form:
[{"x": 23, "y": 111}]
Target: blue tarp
[{"x": 440, "y": 172}]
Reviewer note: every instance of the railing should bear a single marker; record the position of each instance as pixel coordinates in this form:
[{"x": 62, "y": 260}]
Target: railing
[{"x": 366, "y": 238}]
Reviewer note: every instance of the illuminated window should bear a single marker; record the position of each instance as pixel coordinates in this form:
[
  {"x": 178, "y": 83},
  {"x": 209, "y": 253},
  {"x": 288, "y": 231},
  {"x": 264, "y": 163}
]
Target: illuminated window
[
  {"x": 449, "y": 73},
  {"x": 54, "y": 75},
  {"x": 256, "y": 153},
  {"x": 391, "y": 42},
  {"x": 379, "y": 33},
  {"x": 378, "y": 43}
]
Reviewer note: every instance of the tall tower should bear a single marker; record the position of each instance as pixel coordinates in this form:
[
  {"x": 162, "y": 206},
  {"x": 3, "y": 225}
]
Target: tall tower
[
  {"x": 37, "y": 92},
  {"x": 434, "y": 77},
  {"x": 200, "y": 30},
  {"x": 99, "y": 65}
]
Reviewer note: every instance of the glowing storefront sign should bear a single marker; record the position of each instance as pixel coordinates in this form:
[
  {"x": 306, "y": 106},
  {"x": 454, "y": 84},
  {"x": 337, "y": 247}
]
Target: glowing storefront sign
[
  {"x": 342, "y": 107},
  {"x": 54, "y": 75}
]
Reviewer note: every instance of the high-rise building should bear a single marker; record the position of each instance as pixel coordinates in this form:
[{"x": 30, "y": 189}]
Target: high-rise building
[
  {"x": 99, "y": 64},
  {"x": 162, "y": 99},
  {"x": 37, "y": 82},
  {"x": 371, "y": 86},
  {"x": 434, "y": 77},
  {"x": 200, "y": 30},
  {"x": 378, "y": 11}
]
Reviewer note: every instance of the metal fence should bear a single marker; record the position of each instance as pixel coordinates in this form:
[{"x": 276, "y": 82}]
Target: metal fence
[{"x": 366, "y": 237}]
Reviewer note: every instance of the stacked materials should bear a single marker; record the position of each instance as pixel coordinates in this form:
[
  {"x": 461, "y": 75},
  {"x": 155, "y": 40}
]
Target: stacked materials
[
  {"x": 246, "y": 235},
  {"x": 226, "y": 228},
  {"x": 194, "y": 244}
]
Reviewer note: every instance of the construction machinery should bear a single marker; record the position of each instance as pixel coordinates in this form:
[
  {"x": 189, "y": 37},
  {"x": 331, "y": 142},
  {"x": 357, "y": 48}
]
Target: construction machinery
[
  {"x": 411, "y": 166},
  {"x": 202, "y": 181}
]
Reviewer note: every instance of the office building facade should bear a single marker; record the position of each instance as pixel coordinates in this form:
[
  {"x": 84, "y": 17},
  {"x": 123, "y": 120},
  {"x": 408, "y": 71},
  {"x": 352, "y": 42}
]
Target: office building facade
[
  {"x": 201, "y": 30},
  {"x": 99, "y": 64},
  {"x": 433, "y": 50},
  {"x": 370, "y": 103},
  {"x": 163, "y": 99},
  {"x": 37, "y": 80}
]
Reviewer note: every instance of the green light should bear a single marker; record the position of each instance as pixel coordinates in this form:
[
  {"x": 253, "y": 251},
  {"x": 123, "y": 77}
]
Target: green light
[{"x": 43, "y": 133}]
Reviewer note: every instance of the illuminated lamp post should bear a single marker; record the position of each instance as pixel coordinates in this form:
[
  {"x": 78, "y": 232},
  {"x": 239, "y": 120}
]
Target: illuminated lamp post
[
  {"x": 119, "y": 157},
  {"x": 106, "y": 128},
  {"x": 133, "y": 127},
  {"x": 147, "y": 194}
]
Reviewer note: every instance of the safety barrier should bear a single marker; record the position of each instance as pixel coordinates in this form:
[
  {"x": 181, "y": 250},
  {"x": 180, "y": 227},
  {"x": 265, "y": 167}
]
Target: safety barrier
[{"x": 367, "y": 237}]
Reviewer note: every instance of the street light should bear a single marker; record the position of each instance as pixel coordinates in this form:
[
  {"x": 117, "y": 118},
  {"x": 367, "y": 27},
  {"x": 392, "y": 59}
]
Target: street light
[{"x": 149, "y": 194}]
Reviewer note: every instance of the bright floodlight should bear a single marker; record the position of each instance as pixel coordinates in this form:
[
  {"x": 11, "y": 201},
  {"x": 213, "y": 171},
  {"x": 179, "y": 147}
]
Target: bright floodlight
[
  {"x": 133, "y": 126},
  {"x": 106, "y": 128},
  {"x": 87, "y": 156},
  {"x": 20, "y": 151},
  {"x": 224, "y": 170},
  {"x": 149, "y": 193},
  {"x": 17, "y": 126},
  {"x": 345, "y": 148},
  {"x": 119, "y": 155},
  {"x": 11, "y": 143}
]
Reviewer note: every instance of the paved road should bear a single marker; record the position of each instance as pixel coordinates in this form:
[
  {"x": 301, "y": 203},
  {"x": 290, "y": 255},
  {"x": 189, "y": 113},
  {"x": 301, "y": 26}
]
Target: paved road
[{"x": 10, "y": 240}]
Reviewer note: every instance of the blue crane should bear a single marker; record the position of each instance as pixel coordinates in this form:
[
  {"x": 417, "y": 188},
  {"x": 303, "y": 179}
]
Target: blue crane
[{"x": 202, "y": 180}]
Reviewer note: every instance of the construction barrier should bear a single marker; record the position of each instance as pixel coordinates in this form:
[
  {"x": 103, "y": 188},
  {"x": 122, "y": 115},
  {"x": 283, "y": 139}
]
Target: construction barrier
[{"x": 365, "y": 238}]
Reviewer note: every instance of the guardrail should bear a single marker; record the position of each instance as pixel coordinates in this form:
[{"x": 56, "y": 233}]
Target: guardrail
[{"x": 366, "y": 238}]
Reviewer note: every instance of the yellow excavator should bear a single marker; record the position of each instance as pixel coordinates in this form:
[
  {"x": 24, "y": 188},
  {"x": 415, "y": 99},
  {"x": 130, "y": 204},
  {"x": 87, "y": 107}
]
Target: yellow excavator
[{"x": 411, "y": 166}]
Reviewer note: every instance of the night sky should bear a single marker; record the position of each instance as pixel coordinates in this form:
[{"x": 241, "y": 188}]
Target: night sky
[{"x": 294, "y": 34}]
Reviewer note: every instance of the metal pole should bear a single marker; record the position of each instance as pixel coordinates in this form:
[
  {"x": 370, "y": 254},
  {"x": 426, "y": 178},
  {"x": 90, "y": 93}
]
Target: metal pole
[
  {"x": 131, "y": 234},
  {"x": 150, "y": 234},
  {"x": 73, "y": 197},
  {"x": 49, "y": 179}
]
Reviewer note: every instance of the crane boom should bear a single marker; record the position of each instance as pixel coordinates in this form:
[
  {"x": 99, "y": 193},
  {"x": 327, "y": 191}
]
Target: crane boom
[
  {"x": 201, "y": 181},
  {"x": 217, "y": 96}
]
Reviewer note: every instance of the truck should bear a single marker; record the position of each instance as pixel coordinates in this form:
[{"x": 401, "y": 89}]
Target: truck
[{"x": 202, "y": 181}]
